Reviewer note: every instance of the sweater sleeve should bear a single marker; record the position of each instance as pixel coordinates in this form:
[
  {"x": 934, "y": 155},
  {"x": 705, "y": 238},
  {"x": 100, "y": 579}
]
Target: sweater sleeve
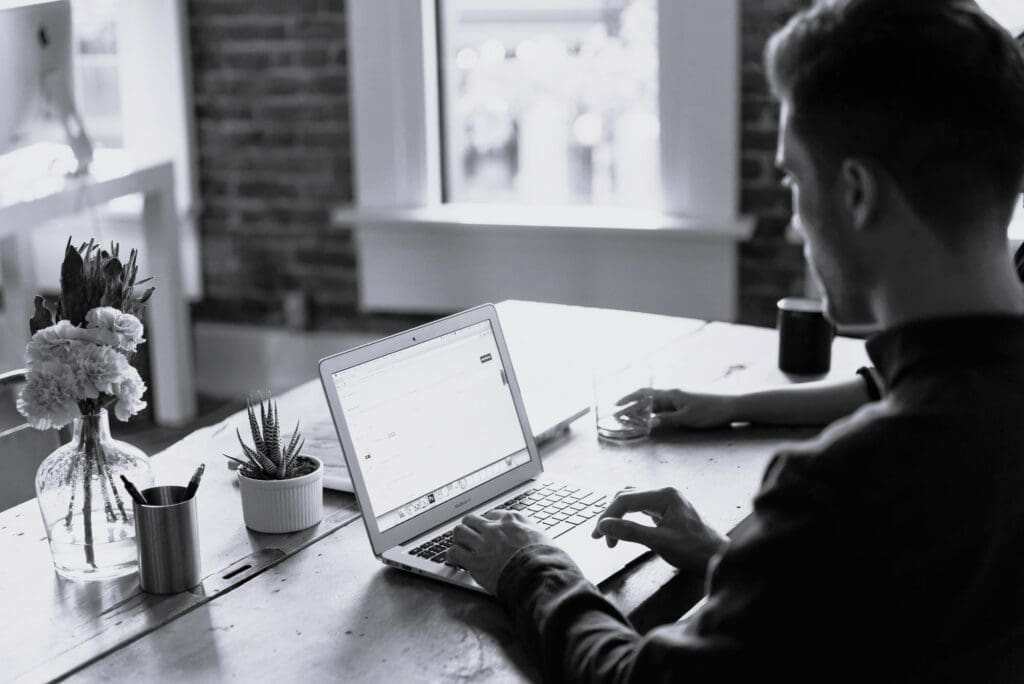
[{"x": 580, "y": 636}]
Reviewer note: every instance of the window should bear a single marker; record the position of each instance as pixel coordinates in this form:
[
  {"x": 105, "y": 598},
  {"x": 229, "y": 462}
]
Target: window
[
  {"x": 648, "y": 182},
  {"x": 550, "y": 103},
  {"x": 97, "y": 86},
  {"x": 131, "y": 87},
  {"x": 686, "y": 144}
]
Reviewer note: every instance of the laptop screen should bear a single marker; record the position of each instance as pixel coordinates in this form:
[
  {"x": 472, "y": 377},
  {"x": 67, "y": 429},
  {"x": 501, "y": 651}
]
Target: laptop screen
[{"x": 431, "y": 422}]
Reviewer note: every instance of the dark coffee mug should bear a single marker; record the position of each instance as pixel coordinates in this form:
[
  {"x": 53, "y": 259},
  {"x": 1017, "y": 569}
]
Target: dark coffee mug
[{"x": 805, "y": 337}]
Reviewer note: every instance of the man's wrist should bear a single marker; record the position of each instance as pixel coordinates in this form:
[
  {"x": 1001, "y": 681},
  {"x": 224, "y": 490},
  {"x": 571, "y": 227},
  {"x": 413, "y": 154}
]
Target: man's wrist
[
  {"x": 737, "y": 408},
  {"x": 712, "y": 545}
]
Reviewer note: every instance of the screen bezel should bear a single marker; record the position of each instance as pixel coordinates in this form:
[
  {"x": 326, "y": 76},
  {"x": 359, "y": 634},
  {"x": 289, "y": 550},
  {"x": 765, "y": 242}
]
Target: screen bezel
[{"x": 381, "y": 541}]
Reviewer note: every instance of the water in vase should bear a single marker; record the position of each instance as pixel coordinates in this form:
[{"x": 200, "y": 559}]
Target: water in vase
[{"x": 112, "y": 554}]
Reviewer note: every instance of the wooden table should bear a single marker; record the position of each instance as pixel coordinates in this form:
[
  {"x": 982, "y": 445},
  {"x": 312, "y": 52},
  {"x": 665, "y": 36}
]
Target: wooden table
[
  {"x": 33, "y": 200},
  {"x": 317, "y": 604}
]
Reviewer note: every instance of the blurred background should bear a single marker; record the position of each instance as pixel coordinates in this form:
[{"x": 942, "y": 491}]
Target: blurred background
[{"x": 346, "y": 169}]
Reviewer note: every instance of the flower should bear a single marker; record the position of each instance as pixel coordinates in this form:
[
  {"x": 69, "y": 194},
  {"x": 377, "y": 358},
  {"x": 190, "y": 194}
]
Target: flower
[
  {"x": 54, "y": 342},
  {"x": 129, "y": 393},
  {"x": 125, "y": 328},
  {"x": 97, "y": 368},
  {"x": 78, "y": 357},
  {"x": 48, "y": 399},
  {"x": 69, "y": 365}
]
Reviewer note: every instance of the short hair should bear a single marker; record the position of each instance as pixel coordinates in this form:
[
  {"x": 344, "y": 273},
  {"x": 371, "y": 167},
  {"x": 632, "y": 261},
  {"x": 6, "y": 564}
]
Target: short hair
[{"x": 932, "y": 91}]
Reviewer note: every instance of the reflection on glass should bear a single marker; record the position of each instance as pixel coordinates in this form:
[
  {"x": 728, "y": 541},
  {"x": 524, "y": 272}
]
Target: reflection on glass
[{"x": 551, "y": 103}]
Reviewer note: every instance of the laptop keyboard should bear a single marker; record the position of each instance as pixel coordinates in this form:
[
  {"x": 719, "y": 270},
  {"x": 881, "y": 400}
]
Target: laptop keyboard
[{"x": 555, "y": 508}]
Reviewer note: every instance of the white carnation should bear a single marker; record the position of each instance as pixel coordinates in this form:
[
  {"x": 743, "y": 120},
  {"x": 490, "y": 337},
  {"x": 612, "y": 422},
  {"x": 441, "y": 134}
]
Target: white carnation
[
  {"x": 125, "y": 328},
  {"x": 97, "y": 368},
  {"x": 48, "y": 399},
  {"x": 54, "y": 342},
  {"x": 129, "y": 391},
  {"x": 68, "y": 364}
]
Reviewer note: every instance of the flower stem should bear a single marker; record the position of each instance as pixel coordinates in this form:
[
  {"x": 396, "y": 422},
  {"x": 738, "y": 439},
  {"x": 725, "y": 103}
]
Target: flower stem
[
  {"x": 90, "y": 555},
  {"x": 71, "y": 481},
  {"x": 92, "y": 446},
  {"x": 107, "y": 508},
  {"x": 105, "y": 474}
]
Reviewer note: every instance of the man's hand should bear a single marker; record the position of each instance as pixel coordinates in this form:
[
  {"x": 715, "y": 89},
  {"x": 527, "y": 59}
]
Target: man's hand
[
  {"x": 678, "y": 409},
  {"x": 484, "y": 545},
  {"x": 679, "y": 535}
]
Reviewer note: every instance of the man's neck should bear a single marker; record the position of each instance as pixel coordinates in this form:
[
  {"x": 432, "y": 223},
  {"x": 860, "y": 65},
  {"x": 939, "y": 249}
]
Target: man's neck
[{"x": 961, "y": 286}]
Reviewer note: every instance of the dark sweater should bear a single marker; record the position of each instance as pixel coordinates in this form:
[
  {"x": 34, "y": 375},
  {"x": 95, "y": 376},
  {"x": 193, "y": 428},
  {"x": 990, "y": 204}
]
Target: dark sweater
[{"x": 890, "y": 548}]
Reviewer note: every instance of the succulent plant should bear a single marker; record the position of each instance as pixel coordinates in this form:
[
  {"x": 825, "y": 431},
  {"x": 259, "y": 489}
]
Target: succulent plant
[{"x": 268, "y": 458}]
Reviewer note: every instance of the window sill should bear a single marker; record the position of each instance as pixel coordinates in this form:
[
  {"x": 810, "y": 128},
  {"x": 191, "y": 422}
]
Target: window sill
[
  {"x": 582, "y": 221},
  {"x": 451, "y": 257}
]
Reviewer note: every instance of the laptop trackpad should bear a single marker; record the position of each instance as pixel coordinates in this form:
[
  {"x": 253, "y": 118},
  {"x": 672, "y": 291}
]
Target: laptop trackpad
[{"x": 595, "y": 559}]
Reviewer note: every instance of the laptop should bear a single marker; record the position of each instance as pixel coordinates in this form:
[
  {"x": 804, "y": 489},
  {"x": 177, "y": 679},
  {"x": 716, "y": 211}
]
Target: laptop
[
  {"x": 550, "y": 416},
  {"x": 432, "y": 427}
]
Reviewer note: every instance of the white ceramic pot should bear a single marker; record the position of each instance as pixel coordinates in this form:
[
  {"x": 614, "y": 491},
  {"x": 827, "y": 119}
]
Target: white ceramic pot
[{"x": 278, "y": 506}]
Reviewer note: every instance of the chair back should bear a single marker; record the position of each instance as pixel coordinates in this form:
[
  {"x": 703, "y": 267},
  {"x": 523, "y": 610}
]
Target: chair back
[{"x": 22, "y": 448}]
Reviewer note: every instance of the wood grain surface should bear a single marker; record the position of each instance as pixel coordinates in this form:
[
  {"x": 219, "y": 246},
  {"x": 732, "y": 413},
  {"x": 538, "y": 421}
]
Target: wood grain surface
[
  {"x": 52, "y": 626},
  {"x": 331, "y": 611}
]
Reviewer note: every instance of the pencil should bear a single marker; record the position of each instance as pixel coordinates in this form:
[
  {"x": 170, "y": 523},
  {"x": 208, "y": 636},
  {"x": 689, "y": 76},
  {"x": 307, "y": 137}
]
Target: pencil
[
  {"x": 133, "y": 492},
  {"x": 193, "y": 484}
]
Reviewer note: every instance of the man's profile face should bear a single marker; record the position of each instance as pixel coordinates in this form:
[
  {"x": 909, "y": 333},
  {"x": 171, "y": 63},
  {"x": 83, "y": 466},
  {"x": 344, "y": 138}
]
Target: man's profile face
[{"x": 819, "y": 219}]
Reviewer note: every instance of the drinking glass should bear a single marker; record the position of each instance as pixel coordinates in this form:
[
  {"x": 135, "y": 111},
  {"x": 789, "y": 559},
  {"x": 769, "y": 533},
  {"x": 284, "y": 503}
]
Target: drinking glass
[{"x": 623, "y": 403}]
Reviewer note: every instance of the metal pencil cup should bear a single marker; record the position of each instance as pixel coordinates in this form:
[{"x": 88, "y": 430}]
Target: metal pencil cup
[{"x": 167, "y": 538}]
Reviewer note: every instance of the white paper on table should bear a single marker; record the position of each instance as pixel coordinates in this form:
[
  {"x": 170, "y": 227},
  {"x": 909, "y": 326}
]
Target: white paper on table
[{"x": 322, "y": 442}]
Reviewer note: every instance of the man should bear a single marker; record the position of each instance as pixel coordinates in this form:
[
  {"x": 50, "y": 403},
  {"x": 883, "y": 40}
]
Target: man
[{"x": 890, "y": 548}]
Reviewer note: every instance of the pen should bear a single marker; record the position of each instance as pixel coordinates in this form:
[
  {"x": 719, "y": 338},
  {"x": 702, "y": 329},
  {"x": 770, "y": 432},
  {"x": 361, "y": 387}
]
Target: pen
[
  {"x": 193, "y": 484},
  {"x": 133, "y": 492}
]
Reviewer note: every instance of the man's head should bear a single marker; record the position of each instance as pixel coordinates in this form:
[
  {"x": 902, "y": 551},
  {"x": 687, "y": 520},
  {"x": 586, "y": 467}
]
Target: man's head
[{"x": 902, "y": 124}]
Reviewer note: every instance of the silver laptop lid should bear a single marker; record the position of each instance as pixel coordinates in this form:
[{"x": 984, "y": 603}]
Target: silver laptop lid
[{"x": 431, "y": 422}]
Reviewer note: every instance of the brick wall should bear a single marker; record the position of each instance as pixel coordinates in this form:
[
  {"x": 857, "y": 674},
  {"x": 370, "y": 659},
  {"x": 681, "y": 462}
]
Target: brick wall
[
  {"x": 275, "y": 155},
  {"x": 770, "y": 266}
]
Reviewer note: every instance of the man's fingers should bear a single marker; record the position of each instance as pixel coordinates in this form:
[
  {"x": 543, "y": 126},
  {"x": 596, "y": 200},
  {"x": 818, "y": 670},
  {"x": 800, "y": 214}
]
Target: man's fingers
[
  {"x": 671, "y": 419},
  {"x": 625, "y": 530},
  {"x": 499, "y": 514},
  {"x": 467, "y": 537},
  {"x": 630, "y": 502},
  {"x": 633, "y": 417},
  {"x": 637, "y": 395},
  {"x": 458, "y": 555},
  {"x": 632, "y": 410},
  {"x": 475, "y": 522}
]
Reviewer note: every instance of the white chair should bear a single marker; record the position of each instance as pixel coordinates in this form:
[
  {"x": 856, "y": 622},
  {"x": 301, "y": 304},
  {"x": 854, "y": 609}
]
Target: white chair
[{"x": 22, "y": 448}]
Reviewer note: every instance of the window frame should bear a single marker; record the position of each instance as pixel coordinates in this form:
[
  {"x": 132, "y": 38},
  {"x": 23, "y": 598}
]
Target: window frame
[
  {"x": 155, "y": 77},
  {"x": 395, "y": 106}
]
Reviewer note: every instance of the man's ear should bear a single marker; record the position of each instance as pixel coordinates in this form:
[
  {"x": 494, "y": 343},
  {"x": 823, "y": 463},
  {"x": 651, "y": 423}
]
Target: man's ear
[{"x": 859, "y": 192}]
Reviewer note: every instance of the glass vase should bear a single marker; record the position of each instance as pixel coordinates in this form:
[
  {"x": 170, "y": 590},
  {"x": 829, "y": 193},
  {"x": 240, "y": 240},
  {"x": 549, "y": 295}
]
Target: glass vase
[{"x": 87, "y": 512}]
